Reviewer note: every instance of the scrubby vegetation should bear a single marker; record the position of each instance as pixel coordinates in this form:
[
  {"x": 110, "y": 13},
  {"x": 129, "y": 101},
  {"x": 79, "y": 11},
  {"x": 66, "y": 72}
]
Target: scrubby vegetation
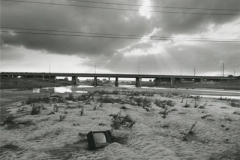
[
  {"x": 233, "y": 84},
  {"x": 27, "y": 83}
]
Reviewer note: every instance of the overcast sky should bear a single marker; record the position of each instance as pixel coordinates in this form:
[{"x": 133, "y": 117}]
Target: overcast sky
[{"x": 37, "y": 53}]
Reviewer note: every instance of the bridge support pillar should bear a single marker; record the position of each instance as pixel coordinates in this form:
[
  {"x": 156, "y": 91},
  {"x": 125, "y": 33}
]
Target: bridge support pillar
[
  {"x": 138, "y": 82},
  {"x": 158, "y": 81},
  {"x": 171, "y": 80},
  {"x": 198, "y": 80},
  {"x": 74, "y": 80},
  {"x": 116, "y": 82},
  {"x": 178, "y": 81},
  {"x": 53, "y": 78},
  {"x": 95, "y": 82}
]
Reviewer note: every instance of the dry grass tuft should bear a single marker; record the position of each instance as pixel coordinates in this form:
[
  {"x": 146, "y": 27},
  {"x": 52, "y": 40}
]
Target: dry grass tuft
[{"x": 190, "y": 134}]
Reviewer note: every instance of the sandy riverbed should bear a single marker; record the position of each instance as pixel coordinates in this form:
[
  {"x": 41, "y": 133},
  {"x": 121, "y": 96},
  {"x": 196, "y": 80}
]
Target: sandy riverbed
[{"x": 43, "y": 136}]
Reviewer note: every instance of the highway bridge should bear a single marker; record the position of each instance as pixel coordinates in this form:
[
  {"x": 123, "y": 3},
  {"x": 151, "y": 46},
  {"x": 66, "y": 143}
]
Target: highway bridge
[{"x": 172, "y": 79}]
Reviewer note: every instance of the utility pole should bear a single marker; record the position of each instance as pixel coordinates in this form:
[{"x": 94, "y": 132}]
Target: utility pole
[
  {"x": 138, "y": 65},
  {"x": 49, "y": 72},
  {"x": 138, "y": 69},
  {"x": 223, "y": 69}
]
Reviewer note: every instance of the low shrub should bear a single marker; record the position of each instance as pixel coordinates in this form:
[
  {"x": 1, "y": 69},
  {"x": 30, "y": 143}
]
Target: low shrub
[
  {"x": 236, "y": 112},
  {"x": 118, "y": 121},
  {"x": 164, "y": 103},
  {"x": 164, "y": 113},
  {"x": 235, "y": 104},
  {"x": 203, "y": 106}
]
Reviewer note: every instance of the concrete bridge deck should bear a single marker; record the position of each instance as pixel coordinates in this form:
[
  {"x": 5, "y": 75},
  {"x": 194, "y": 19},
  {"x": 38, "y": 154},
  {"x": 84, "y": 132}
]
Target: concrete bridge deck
[{"x": 158, "y": 78}]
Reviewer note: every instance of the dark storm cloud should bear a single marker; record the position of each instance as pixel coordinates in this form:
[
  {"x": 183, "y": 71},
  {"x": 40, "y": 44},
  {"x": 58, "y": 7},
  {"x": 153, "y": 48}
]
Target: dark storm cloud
[
  {"x": 101, "y": 21},
  {"x": 70, "y": 19}
]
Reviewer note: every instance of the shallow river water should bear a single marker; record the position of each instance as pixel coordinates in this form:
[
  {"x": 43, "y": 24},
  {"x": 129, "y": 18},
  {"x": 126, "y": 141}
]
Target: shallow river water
[{"x": 208, "y": 93}]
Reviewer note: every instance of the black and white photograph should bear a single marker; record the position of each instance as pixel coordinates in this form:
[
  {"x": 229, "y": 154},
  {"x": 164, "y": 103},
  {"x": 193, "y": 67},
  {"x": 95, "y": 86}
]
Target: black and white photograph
[{"x": 120, "y": 79}]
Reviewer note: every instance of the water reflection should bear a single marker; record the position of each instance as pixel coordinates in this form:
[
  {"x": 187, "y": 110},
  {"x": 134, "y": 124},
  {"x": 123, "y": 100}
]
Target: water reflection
[
  {"x": 36, "y": 90},
  {"x": 65, "y": 89},
  {"x": 84, "y": 86},
  {"x": 70, "y": 89},
  {"x": 197, "y": 89},
  {"x": 127, "y": 86},
  {"x": 223, "y": 97}
]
